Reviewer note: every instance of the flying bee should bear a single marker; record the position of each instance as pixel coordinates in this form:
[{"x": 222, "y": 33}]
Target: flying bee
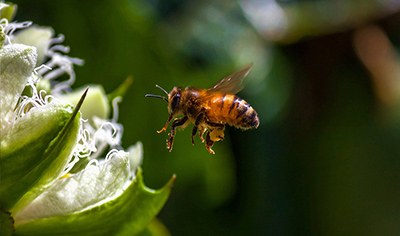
[{"x": 209, "y": 109}]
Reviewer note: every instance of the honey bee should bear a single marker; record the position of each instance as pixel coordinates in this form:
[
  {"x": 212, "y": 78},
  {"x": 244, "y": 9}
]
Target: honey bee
[{"x": 209, "y": 109}]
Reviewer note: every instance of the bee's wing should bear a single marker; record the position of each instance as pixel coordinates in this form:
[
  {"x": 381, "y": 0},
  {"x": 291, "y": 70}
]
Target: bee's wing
[{"x": 231, "y": 84}]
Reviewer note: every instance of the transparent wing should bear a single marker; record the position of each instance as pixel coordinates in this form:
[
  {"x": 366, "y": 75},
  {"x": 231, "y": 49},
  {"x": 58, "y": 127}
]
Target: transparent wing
[{"x": 232, "y": 83}]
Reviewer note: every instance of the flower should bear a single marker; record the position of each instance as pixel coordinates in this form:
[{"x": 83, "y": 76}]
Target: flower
[{"x": 53, "y": 178}]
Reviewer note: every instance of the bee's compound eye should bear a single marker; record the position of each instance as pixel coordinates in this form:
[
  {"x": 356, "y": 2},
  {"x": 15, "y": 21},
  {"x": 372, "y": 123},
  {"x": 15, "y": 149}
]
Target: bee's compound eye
[{"x": 175, "y": 101}]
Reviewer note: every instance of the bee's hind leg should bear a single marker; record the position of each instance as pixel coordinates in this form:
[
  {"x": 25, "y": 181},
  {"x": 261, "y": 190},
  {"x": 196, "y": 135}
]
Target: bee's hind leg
[
  {"x": 214, "y": 134},
  {"x": 194, "y": 131},
  {"x": 176, "y": 123},
  {"x": 201, "y": 130},
  {"x": 209, "y": 143},
  {"x": 216, "y": 131},
  {"x": 201, "y": 134},
  {"x": 199, "y": 120}
]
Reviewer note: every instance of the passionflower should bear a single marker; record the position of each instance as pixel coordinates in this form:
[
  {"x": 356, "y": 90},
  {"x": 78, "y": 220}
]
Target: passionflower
[{"x": 62, "y": 167}]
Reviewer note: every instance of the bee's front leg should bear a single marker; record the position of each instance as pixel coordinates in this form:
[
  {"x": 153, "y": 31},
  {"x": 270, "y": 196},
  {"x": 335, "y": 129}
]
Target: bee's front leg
[
  {"x": 176, "y": 123},
  {"x": 164, "y": 128}
]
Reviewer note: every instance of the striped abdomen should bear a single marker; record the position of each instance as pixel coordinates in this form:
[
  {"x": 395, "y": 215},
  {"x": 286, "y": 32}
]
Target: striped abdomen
[{"x": 232, "y": 110}]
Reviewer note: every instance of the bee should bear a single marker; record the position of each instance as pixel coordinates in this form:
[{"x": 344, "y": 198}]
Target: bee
[{"x": 209, "y": 109}]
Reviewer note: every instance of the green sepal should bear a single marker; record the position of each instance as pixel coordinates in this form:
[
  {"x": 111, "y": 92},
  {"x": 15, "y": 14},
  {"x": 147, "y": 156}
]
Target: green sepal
[
  {"x": 80, "y": 165},
  {"x": 155, "y": 227},
  {"x": 2, "y": 38},
  {"x": 96, "y": 103},
  {"x": 36, "y": 152},
  {"x": 121, "y": 90},
  {"x": 8, "y": 11},
  {"x": 6, "y": 223},
  {"x": 42, "y": 84},
  {"x": 127, "y": 214}
]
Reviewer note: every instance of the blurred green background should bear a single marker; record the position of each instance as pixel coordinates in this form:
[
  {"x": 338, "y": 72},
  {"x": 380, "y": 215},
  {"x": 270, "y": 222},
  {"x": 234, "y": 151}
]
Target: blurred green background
[{"x": 325, "y": 82}]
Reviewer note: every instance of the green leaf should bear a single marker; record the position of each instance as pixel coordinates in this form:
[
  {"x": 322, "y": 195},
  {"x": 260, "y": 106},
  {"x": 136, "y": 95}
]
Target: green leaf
[
  {"x": 130, "y": 212},
  {"x": 36, "y": 152}
]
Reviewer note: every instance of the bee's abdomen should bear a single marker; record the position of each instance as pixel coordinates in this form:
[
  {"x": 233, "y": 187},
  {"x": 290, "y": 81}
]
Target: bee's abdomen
[{"x": 234, "y": 111}]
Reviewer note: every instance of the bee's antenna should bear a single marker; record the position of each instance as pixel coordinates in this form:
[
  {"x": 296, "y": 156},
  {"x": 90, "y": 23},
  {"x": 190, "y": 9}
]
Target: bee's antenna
[
  {"x": 156, "y": 96},
  {"x": 158, "y": 86}
]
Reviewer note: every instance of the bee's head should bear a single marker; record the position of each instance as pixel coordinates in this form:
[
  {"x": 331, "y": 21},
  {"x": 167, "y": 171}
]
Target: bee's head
[{"x": 173, "y": 100}]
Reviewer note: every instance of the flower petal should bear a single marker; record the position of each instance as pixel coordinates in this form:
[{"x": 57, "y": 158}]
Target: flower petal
[
  {"x": 132, "y": 210},
  {"x": 87, "y": 188},
  {"x": 17, "y": 63},
  {"x": 38, "y": 37},
  {"x": 135, "y": 156}
]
